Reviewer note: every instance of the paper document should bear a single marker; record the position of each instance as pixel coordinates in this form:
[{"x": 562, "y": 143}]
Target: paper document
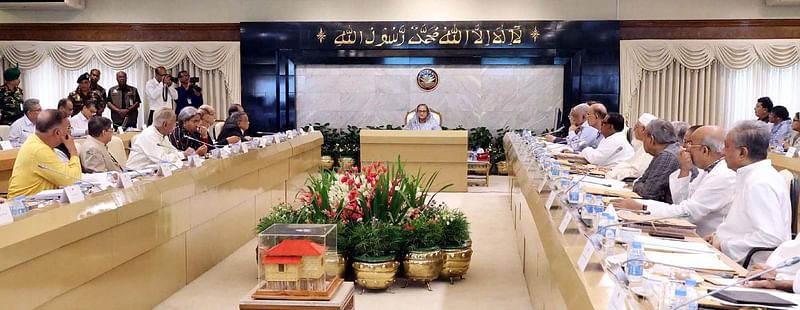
[
  {"x": 658, "y": 244},
  {"x": 703, "y": 261}
]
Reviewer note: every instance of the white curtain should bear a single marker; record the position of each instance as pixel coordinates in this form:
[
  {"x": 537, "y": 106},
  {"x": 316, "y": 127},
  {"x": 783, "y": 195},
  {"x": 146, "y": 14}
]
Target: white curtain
[
  {"x": 706, "y": 81},
  {"x": 50, "y": 69}
]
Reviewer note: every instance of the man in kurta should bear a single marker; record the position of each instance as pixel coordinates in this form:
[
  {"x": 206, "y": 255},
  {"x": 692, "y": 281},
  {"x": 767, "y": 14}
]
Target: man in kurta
[
  {"x": 634, "y": 167},
  {"x": 37, "y": 167},
  {"x": 10, "y": 97},
  {"x": 760, "y": 215}
]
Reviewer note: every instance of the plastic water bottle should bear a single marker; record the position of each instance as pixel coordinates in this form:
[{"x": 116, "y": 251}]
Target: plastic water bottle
[
  {"x": 574, "y": 195},
  {"x": 597, "y": 213},
  {"x": 588, "y": 209},
  {"x": 634, "y": 269},
  {"x": 18, "y": 207},
  {"x": 691, "y": 293},
  {"x": 678, "y": 298},
  {"x": 609, "y": 234}
]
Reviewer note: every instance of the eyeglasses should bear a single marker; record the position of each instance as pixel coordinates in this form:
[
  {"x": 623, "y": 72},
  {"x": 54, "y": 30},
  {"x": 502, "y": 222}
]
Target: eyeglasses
[{"x": 423, "y": 111}]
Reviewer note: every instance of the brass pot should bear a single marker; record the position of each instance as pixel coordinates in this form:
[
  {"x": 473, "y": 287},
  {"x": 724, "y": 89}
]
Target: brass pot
[
  {"x": 456, "y": 263},
  {"x": 336, "y": 264},
  {"x": 375, "y": 276},
  {"x": 345, "y": 163},
  {"x": 326, "y": 162},
  {"x": 502, "y": 167},
  {"x": 423, "y": 265}
]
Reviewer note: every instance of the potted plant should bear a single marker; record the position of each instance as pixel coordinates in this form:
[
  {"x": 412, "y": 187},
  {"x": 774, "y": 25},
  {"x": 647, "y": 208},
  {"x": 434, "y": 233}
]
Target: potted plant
[
  {"x": 330, "y": 140},
  {"x": 498, "y": 155},
  {"x": 374, "y": 246},
  {"x": 422, "y": 235},
  {"x": 349, "y": 146},
  {"x": 455, "y": 243}
]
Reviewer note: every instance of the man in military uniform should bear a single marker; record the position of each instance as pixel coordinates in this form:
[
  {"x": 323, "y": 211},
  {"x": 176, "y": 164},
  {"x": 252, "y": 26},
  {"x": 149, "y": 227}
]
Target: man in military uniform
[
  {"x": 124, "y": 102},
  {"x": 10, "y": 97},
  {"x": 82, "y": 94},
  {"x": 94, "y": 78}
]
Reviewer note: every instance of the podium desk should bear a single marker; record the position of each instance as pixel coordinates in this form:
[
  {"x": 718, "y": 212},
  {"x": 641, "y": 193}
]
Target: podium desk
[
  {"x": 132, "y": 248},
  {"x": 426, "y": 151}
]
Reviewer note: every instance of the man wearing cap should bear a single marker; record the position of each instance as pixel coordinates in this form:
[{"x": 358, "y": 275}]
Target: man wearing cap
[
  {"x": 94, "y": 78},
  {"x": 10, "y": 96},
  {"x": 84, "y": 93},
  {"x": 636, "y": 165}
]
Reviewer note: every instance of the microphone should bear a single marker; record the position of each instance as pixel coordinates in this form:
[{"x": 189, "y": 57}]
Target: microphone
[
  {"x": 265, "y": 133},
  {"x": 551, "y": 131},
  {"x": 45, "y": 167},
  {"x": 788, "y": 262},
  {"x": 197, "y": 140}
]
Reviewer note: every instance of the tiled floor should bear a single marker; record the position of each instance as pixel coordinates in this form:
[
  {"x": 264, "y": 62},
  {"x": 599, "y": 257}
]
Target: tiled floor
[{"x": 494, "y": 281}]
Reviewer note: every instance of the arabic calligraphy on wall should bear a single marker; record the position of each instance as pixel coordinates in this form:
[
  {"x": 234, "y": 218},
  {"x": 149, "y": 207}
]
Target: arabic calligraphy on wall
[{"x": 428, "y": 35}]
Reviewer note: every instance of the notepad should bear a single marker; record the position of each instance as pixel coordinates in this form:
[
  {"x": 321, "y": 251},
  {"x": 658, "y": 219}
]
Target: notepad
[
  {"x": 605, "y": 191},
  {"x": 702, "y": 261},
  {"x": 657, "y": 244}
]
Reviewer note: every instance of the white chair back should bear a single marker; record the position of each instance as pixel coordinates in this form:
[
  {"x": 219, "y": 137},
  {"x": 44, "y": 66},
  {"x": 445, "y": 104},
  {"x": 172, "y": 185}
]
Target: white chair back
[
  {"x": 4, "y": 130},
  {"x": 217, "y": 128},
  {"x": 117, "y": 149}
]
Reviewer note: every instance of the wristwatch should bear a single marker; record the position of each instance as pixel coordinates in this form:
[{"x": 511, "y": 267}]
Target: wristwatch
[{"x": 644, "y": 207}]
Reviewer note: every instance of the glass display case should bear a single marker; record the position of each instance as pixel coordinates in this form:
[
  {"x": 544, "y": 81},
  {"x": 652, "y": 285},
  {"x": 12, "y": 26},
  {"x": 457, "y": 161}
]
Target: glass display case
[{"x": 292, "y": 260}]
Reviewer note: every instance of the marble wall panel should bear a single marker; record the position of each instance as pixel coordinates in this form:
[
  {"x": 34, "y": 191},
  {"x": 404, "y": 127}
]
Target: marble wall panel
[{"x": 469, "y": 95}]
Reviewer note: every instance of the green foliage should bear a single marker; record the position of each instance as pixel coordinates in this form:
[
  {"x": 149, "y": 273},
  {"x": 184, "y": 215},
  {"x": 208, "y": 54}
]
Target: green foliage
[
  {"x": 330, "y": 138},
  {"x": 318, "y": 200},
  {"x": 498, "y": 152},
  {"x": 422, "y": 232},
  {"x": 374, "y": 238},
  {"x": 455, "y": 228},
  {"x": 387, "y": 203},
  {"x": 385, "y": 127},
  {"x": 350, "y": 141},
  {"x": 479, "y": 137},
  {"x": 281, "y": 214}
]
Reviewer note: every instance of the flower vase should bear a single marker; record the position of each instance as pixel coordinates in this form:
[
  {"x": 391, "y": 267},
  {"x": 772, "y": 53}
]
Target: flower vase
[
  {"x": 455, "y": 262},
  {"x": 346, "y": 162},
  {"x": 502, "y": 167},
  {"x": 326, "y": 162}
]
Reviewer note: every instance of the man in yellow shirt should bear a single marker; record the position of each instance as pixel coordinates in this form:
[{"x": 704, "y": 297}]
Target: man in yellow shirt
[{"x": 29, "y": 177}]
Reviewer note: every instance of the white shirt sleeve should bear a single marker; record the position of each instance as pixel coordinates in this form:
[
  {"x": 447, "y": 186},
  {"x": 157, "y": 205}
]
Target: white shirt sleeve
[
  {"x": 153, "y": 90},
  {"x": 173, "y": 93},
  {"x": 679, "y": 187},
  {"x": 715, "y": 193},
  {"x": 764, "y": 215},
  {"x": 15, "y": 135}
]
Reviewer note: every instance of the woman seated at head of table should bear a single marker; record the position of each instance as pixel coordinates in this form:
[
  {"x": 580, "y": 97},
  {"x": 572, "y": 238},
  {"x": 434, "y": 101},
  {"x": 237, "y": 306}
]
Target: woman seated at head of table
[{"x": 422, "y": 120}]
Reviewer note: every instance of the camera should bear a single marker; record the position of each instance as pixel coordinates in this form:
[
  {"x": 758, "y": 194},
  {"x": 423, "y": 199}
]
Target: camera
[
  {"x": 174, "y": 79},
  {"x": 194, "y": 80}
]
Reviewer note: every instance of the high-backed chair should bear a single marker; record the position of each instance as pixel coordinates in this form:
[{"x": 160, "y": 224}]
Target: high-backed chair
[
  {"x": 117, "y": 150},
  {"x": 4, "y": 130},
  {"x": 217, "y": 128},
  {"x": 760, "y": 254},
  {"x": 433, "y": 113}
]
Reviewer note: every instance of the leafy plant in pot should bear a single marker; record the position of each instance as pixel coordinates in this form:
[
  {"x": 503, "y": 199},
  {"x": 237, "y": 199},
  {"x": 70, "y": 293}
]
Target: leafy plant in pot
[
  {"x": 423, "y": 233},
  {"x": 374, "y": 246},
  {"x": 456, "y": 244}
]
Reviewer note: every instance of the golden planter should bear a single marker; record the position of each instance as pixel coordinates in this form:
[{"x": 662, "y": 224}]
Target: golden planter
[
  {"x": 502, "y": 167},
  {"x": 326, "y": 162},
  {"x": 375, "y": 276},
  {"x": 345, "y": 163},
  {"x": 456, "y": 263},
  {"x": 336, "y": 264},
  {"x": 423, "y": 265}
]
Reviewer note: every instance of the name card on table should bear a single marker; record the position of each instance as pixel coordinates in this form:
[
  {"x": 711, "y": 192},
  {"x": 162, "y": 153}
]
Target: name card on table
[
  {"x": 617, "y": 300},
  {"x": 277, "y": 140},
  {"x": 551, "y": 199},
  {"x": 790, "y": 152},
  {"x": 195, "y": 161},
  {"x": 6, "y": 145},
  {"x": 541, "y": 185},
  {"x": 123, "y": 180},
  {"x": 586, "y": 255},
  {"x": 72, "y": 194},
  {"x": 565, "y": 223},
  {"x": 5, "y": 214},
  {"x": 164, "y": 170}
]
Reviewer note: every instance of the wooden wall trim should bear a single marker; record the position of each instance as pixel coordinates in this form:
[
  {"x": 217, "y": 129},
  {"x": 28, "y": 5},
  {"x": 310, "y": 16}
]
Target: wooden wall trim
[
  {"x": 119, "y": 32},
  {"x": 710, "y": 29}
]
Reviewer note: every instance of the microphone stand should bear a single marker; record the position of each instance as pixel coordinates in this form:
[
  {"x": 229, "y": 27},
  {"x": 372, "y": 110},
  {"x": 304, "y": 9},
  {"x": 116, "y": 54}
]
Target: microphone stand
[{"x": 92, "y": 185}]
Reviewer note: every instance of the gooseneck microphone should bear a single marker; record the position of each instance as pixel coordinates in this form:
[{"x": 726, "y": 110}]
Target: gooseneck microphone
[
  {"x": 45, "y": 167},
  {"x": 198, "y": 140}
]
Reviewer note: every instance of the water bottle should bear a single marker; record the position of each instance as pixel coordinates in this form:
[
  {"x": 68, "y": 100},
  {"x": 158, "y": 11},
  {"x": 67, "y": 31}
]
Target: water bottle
[
  {"x": 691, "y": 293},
  {"x": 574, "y": 195},
  {"x": 678, "y": 298},
  {"x": 588, "y": 209},
  {"x": 555, "y": 169},
  {"x": 609, "y": 234},
  {"x": 18, "y": 207},
  {"x": 564, "y": 179},
  {"x": 634, "y": 269},
  {"x": 597, "y": 213}
]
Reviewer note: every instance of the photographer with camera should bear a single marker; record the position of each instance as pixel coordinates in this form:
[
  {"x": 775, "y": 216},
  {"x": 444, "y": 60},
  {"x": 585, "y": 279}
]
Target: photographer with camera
[
  {"x": 160, "y": 92},
  {"x": 189, "y": 94}
]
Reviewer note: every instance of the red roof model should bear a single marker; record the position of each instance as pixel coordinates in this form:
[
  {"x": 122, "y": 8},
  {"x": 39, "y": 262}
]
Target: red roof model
[{"x": 290, "y": 251}]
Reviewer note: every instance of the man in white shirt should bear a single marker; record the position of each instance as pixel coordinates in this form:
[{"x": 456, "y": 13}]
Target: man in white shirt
[
  {"x": 26, "y": 125},
  {"x": 614, "y": 148},
  {"x": 787, "y": 278},
  {"x": 152, "y": 145},
  {"x": 579, "y": 131},
  {"x": 160, "y": 92},
  {"x": 80, "y": 122},
  {"x": 708, "y": 197},
  {"x": 635, "y": 167},
  {"x": 760, "y": 215}
]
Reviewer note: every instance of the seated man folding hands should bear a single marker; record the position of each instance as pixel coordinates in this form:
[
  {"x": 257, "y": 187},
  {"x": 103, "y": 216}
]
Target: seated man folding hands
[
  {"x": 760, "y": 215},
  {"x": 709, "y": 196}
]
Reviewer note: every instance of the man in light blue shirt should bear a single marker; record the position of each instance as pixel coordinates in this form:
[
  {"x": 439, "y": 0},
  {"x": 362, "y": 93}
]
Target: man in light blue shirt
[
  {"x": 579, "y": 132},
  {"x": 25, "y": 126}
]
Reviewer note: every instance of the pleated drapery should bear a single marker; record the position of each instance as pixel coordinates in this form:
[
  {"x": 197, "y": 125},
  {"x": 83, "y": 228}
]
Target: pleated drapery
[
  {"x": 698, "y": 81},
  {"x": 216, "y": 63}
]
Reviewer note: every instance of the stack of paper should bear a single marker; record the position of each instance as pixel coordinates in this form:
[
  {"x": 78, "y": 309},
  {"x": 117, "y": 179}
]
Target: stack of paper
[
  {"x": 702, "y": 261},
  {"x": 658, "y": 244}
]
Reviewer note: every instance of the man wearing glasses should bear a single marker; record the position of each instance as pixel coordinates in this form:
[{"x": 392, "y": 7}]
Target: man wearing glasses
[
  {"x": 708, "y": 197},
  {"x": 94, "y": 153},
  {"x": 160, "y": 92},
  {"x": 26, "y": 125}
]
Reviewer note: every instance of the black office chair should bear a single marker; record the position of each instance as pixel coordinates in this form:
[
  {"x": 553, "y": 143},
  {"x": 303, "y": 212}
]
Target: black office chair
[{"x": 794, "y": 192}]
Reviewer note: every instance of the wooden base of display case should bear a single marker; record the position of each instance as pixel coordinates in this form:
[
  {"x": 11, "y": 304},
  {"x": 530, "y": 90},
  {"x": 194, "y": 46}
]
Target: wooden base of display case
[
  {"x": 342, "y": 299},
  {"x": 261, "y": 293}
]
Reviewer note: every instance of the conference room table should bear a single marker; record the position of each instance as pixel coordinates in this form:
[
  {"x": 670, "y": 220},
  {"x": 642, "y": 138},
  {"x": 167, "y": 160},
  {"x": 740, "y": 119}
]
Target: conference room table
[
  {"x": 130, "y": 248},
  {"x": 550, "y": 258}
]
